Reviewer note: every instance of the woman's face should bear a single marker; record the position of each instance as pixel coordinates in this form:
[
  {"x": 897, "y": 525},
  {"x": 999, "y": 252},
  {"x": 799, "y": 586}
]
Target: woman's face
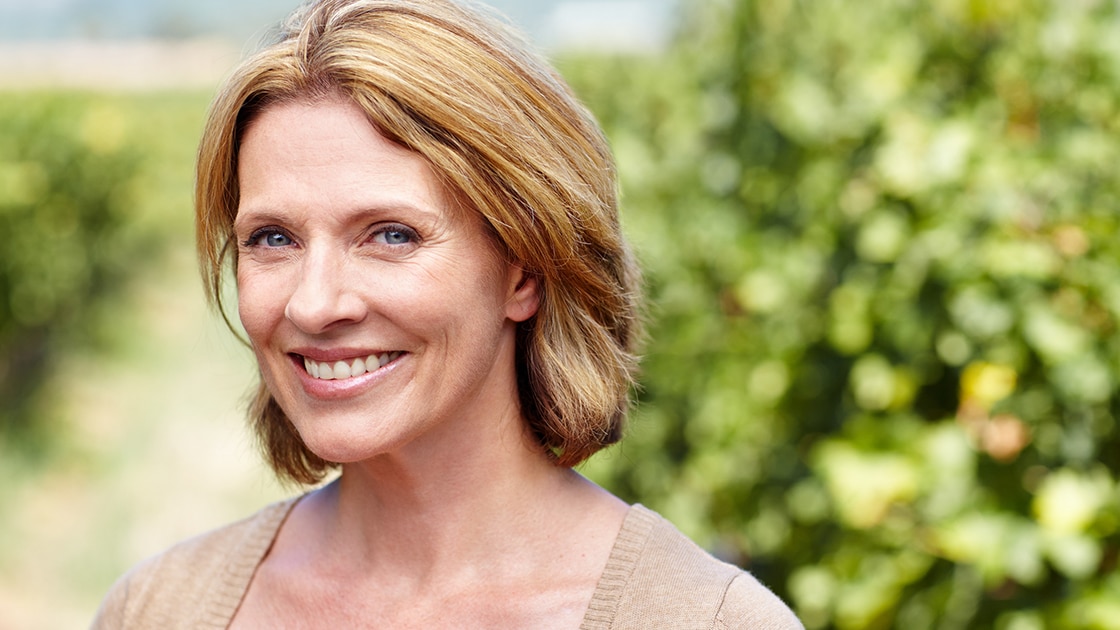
[{"x": 378, "y": 312}]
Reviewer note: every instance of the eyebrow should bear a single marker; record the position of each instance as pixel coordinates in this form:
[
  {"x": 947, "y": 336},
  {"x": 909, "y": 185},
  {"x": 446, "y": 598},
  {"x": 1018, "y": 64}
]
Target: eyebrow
[{"x": 363, "y": 214}]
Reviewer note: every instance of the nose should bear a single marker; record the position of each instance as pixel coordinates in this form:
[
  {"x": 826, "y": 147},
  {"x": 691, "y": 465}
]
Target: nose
[{"x": 325, "y": 296}]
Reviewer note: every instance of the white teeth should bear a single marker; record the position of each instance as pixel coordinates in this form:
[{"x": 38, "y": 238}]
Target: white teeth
[{"x": 342, "y": 370}]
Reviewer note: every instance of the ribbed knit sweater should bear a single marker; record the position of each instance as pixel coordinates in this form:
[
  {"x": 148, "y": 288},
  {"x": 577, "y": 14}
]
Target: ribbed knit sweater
[{"x": 655, "y": 578}]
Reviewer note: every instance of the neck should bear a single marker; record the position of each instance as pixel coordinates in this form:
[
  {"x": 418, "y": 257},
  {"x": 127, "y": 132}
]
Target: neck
[{"x": 435, "y": 512}]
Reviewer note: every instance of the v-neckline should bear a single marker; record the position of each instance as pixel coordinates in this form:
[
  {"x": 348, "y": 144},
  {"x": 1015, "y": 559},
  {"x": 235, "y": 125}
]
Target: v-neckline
[{"x": 625, "y": 552}]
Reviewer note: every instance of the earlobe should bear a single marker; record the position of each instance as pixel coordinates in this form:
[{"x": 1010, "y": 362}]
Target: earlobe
[{"x": 524, "y": 296}]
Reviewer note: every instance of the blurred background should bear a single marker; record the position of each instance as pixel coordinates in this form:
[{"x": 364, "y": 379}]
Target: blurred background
[{"x": 881, "y": 249}]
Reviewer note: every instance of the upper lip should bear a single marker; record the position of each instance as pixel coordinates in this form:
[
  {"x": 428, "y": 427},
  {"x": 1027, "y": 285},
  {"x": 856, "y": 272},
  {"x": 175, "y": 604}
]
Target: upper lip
[{"x": 325, "y": 355}]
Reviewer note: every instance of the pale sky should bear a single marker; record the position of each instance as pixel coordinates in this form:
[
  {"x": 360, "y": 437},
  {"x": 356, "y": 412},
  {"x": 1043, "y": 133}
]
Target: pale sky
[{"x": 635, "y": 24}]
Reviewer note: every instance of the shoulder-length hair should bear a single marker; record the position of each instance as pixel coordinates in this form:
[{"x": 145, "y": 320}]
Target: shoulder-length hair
[{"x": 506, "y": 134}]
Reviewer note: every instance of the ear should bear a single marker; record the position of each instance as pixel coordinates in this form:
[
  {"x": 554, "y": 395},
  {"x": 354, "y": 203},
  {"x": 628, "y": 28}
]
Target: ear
[{"x": 524, "y": 294}]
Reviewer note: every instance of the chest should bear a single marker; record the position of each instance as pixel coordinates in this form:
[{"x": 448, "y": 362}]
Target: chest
[{"x": 312, "y": 604}]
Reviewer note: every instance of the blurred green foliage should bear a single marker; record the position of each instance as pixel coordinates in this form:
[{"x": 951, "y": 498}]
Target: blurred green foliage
[
  {"x": 882, "y": 254},
  {"x": 879, "y": 239},
  {"x": 70, "y": 168}
]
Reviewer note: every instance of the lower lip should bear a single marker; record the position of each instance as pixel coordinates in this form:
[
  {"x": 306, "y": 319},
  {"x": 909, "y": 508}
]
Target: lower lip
[{"x": 341, "y": 388}]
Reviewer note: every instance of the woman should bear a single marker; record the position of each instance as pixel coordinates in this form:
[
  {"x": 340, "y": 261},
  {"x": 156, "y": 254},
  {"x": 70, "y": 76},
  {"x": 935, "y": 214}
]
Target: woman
[{"x": 424, "y": 229}]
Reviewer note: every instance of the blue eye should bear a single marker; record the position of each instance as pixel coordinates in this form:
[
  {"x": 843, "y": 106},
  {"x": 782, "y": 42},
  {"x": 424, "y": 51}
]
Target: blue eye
[
  {"x": 395, "y": 235},
  {"x": 269, "y": 237},
  {"x": 276, "y": 239}
]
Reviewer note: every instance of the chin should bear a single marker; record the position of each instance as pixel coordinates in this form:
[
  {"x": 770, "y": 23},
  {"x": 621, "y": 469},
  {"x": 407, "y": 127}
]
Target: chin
[
  {"x": 341, "y": 449},
  {"x": 347, "y": 444}
]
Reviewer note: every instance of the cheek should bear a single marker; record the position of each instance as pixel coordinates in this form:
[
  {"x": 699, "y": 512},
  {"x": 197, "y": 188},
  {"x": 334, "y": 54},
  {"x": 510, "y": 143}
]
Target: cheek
[
  {"x": 455, "y": 308},
  {"x": 259, "y": 304}
]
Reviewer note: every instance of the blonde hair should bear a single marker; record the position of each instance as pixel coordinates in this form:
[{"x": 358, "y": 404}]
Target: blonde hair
[{"x": 504, "y": 132}]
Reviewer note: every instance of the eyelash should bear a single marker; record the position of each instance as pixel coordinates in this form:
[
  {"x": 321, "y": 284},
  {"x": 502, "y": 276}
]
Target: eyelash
[
  {"x": 258, "y": 235},
  {"x": 261, "y": 233},
  {"x": 407, "y": 232}
]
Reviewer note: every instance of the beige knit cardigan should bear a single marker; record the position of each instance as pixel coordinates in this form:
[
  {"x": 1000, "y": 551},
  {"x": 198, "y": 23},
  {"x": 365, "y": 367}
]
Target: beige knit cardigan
[{"x": 655, "y": 578}]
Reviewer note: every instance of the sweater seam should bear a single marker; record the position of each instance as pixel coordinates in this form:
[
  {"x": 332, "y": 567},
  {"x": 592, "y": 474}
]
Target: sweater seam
[
  {"x": 717, "y": 619},
  {"x": 631, "y": 541},
  {"x": 237, "y": 574}
]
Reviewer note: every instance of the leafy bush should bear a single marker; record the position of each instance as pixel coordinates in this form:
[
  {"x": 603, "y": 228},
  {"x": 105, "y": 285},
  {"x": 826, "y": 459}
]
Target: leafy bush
[
  {"x": 880, "y": 240},
  {"x": 66, "y": 176}
]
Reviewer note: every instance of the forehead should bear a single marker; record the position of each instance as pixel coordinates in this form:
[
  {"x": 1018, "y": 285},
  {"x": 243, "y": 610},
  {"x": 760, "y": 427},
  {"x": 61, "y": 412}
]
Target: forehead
[
  {"x": 333, "y": 128},
  {"x": 309, "y": 154},
  {"x": 328, "y": 152}
]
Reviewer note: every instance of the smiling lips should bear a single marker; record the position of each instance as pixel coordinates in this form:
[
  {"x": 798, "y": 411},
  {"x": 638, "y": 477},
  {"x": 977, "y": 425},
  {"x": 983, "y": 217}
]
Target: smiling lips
[{"x": 339, "y": 370}]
